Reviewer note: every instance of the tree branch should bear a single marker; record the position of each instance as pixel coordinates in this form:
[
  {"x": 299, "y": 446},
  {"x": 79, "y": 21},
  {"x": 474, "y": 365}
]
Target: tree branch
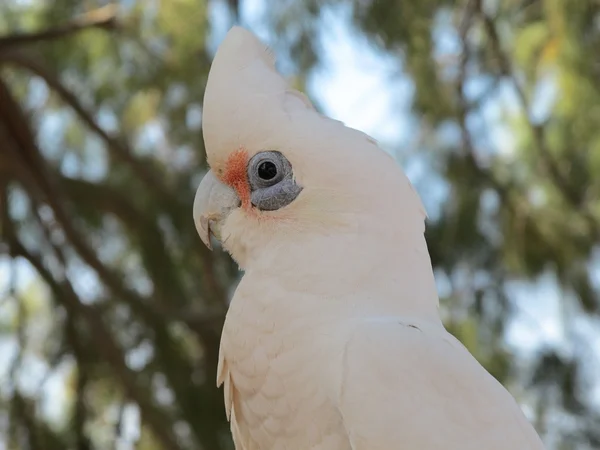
[
  {"x": 463, "y": 108},
  {"x": 120, "y": 149},
  {"x": 537, "y": 130},
  {"x": 52, "y": 194},
  {"x": 104, "y": 18},
  {"x": 40, "y": 184},
  {"x": 106, "y": 346},
  {"x": 80, "y": 412}
]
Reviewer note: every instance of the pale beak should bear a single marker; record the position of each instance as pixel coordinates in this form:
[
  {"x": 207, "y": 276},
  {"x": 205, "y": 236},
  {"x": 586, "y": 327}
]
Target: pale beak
[{"x": 213, "y": 202}]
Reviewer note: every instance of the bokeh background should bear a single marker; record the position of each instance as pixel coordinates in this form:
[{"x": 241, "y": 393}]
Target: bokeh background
[{"x": 110, "y": 306}]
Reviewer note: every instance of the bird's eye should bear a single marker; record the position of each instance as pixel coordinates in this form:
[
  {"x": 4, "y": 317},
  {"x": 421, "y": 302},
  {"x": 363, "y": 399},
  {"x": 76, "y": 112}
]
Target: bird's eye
[
  {"x": 267, "y": 170},
  {"x": 271, "y": 181}
]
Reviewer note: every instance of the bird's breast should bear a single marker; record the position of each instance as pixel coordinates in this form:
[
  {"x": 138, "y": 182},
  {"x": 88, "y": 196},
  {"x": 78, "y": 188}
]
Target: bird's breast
[{"x": 282, "y": 394}]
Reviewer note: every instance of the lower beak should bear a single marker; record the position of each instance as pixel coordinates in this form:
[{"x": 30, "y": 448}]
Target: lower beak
[{"x": 213, "y": 202}]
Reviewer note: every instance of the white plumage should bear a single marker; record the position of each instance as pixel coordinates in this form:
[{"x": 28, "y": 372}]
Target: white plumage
[{"x": 333, "y": 339}]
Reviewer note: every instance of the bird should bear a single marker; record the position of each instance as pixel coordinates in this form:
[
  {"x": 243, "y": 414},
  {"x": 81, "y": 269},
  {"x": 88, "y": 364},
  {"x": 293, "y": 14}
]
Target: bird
[{"x": 333, "y": 338}]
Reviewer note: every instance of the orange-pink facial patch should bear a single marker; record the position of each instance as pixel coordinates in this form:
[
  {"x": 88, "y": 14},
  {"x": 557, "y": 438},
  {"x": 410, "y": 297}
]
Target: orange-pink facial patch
[{"x": 235, "y": 175}]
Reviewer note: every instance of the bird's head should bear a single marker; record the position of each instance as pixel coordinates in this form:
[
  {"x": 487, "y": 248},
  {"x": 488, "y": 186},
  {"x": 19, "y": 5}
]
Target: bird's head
[{"x": 281, "y": 172}]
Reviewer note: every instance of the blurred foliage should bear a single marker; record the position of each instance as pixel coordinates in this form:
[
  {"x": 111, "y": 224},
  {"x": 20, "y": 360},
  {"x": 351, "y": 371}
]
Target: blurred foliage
[
  {"x": 101, "y": 150},
  {"x": 113, "y": 308}
]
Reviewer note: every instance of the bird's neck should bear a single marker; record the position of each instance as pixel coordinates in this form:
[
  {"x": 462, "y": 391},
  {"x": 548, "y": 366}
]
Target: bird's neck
[{"x": 362, "y": 278}]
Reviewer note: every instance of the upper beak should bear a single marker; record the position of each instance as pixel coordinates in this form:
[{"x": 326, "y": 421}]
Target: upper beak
[{"x": 213, "y": 202}]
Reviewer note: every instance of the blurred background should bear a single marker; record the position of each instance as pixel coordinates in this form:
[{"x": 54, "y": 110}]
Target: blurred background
[{"x": 110, "y": 306}]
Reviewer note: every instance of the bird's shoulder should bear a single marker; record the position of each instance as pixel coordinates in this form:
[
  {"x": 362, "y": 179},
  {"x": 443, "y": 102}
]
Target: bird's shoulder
[{"x": 413, "y": 372}]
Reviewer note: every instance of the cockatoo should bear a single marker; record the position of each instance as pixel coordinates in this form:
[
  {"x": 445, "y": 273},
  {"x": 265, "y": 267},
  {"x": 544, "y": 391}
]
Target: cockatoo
[{"x": 333, "y": 339}]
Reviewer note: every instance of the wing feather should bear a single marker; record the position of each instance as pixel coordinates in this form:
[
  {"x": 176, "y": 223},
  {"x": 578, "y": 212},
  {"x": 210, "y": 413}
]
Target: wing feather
[{"x": 413, "y": 385}]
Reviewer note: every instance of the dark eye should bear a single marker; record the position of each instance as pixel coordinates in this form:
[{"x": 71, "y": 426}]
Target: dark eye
[
  {"x": 267, "y": 170},
  {"x": 271, "y": 181}
]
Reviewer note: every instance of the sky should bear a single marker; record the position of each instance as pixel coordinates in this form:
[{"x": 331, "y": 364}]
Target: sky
[{"x": 366, "y": 91}]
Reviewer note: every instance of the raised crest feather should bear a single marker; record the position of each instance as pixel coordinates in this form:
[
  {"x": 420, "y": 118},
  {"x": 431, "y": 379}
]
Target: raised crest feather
[
  {"x": 244, "y": 45},
  {"x": 246, "y": 97}
]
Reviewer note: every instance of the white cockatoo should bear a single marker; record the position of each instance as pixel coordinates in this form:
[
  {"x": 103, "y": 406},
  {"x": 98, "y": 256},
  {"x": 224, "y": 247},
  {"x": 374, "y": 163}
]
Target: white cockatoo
[{"x": 333, "y": 339}]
